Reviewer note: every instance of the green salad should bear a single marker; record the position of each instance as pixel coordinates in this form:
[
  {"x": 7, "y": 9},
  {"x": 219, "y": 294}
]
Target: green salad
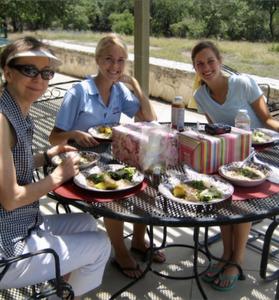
[
  {"x": 111, "y": 180},
  {"x": 197, "y": 190}
]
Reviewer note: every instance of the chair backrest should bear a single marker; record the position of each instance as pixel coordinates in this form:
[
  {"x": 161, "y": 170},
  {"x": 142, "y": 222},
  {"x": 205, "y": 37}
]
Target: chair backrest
[
  {"x": 264, "y": 86},
  {"x": 44, "y": 111}
]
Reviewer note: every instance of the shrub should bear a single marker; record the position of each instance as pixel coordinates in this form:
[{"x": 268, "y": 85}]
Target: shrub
[
  {"x": 274, "y": 48},
  {"x": 122, "y": 23}
]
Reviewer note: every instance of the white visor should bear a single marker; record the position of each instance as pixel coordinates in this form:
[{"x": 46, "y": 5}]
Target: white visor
[{"x": 55, "y": 62}]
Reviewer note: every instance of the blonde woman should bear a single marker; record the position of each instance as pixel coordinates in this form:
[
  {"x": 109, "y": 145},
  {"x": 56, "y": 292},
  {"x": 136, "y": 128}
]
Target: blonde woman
[{"x": 99, "y": 100}]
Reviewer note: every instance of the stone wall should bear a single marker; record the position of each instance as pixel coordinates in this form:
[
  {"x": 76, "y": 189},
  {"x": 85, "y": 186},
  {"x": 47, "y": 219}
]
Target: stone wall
[
  {"x": 166, "y": 78},
  {"x": 165, "y": 82}
]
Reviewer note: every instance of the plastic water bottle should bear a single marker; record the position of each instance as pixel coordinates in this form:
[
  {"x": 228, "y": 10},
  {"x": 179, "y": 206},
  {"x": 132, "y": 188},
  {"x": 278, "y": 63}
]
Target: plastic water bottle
[
  {"x": 177, "y": 113},
  {"x": 242, "y": 119}
]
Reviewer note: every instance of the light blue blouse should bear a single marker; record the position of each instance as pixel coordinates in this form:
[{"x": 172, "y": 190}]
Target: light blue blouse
[
  {"x": 242, "y": 92},
  {"x": 82, "y": 106}
]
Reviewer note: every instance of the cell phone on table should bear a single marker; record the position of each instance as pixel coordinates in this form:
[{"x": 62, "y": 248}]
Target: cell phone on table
[{"x": 217, "y": 128}]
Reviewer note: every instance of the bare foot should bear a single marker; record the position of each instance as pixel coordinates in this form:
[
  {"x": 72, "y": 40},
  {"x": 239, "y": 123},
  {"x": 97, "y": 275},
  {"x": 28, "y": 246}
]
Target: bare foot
[
  {"x": 142, "y": 249},
  {"x": 228, "y": 278},
  {"x": 128, "y": 266}
]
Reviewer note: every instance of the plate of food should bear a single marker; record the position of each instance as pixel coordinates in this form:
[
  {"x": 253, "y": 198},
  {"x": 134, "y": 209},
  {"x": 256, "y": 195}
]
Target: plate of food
[
  {"x": 203, "y": 190},
  {"x": 109, "y": 178},
  {"x": 263, "y": 136},
  {"x": 86, "y": 158},
  {"x": 251, "y": 174},
  {"x": 102, "y": 132}
]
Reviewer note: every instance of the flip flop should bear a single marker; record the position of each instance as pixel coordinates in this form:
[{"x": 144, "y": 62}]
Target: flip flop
[
  {"x": 212, "y": 273},
  {"x": 223, "y": 277},
  {"x": 158, "y": 256},
  {"x": 123, "y": 270}
]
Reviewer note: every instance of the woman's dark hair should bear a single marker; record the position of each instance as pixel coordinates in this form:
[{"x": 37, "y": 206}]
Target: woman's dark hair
[
  {"x": 23, "y": 44},
  {"x": 204, "y": 45}
]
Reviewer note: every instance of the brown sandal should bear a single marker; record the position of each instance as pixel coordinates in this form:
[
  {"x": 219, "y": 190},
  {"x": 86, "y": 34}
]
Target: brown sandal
[{"x": 158, "y": 256}]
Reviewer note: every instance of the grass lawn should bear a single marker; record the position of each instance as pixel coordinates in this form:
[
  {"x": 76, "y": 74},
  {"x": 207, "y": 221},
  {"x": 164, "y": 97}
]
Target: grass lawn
[{"x": 254, "y": 58}]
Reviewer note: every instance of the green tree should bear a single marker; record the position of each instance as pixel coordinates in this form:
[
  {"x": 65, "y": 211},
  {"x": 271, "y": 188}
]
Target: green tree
[
  {"x": 164, "y": 13},
  {"x": 38, "y": 15},
  {"x": 108, "y": 7},
  {"x": 76, "y": 16},
  {"x": 122, "y": 23},
  {"x": 270, "y": 9}
]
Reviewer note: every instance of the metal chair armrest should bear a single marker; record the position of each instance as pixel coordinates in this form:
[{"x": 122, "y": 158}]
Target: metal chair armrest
[{"x": 58, "y": 282}]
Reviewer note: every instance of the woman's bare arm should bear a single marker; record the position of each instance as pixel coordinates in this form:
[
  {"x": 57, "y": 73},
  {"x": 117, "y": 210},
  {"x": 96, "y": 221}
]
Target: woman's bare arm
[
  {"x": 146, "y": 112},
  {"x": 262, "y": 111},
  {"x": 14, "y": 195},
  {"x": 59, "y": 136}
]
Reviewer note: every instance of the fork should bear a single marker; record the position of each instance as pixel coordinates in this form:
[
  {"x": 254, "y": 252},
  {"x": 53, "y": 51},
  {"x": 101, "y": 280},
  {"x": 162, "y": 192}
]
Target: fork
[{"x": 249, "y": 157}]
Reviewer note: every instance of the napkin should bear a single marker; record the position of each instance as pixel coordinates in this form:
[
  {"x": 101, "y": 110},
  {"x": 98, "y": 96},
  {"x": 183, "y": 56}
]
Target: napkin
[{"x": 274, "y": 174}]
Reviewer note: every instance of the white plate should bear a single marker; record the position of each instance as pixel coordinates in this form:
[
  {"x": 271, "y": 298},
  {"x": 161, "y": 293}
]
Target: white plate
[
  {"x": 87, "y": 158},
  {"x": 95, "y": 132},
  {"x": 165, "y": 188},
  {"x": 223, "y": 171},
  {"x": 270, "y": 136},
  {"x": 80, "y": 179}
]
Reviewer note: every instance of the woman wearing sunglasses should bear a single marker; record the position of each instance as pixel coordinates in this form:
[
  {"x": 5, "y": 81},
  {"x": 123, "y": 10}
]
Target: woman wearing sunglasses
[{"x": 28, "y": 65}]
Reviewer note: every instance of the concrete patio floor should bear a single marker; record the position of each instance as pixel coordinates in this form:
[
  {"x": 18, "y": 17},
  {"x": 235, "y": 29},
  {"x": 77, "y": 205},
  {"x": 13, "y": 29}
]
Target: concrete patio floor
[{"x": 179, "y": 259}]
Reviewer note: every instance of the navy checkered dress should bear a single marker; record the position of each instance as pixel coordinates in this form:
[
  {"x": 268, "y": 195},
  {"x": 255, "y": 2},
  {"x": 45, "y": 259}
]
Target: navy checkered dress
[{"x": 16, "y": 225}]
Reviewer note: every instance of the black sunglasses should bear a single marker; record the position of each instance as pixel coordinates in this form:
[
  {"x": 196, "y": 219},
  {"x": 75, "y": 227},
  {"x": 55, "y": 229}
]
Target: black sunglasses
[{"x": 32, "y": 72}]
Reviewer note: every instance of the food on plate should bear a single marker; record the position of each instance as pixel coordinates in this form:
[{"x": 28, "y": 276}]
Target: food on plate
[
  {"x": 85, "y": 158},
  {"x": 111, "y": 180},
  {"x": 105, "y": 129},
  {"x": 197, "y": 190},
  {"x": 248, "y": 174},
  {"x": 260, "y": 137},
  {"x": 245, "y": 173},
  {"x": 103, "y": 132}
]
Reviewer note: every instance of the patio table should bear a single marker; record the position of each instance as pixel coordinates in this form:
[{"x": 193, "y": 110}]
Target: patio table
[{"x": 149, "y": 207}]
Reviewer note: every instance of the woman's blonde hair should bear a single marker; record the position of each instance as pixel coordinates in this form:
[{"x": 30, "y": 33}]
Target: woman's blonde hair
[{"x": 108, "y": 41}]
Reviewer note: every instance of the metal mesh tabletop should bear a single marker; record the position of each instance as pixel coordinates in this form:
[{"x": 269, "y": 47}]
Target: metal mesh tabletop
[{"x": 150, "y": 207}]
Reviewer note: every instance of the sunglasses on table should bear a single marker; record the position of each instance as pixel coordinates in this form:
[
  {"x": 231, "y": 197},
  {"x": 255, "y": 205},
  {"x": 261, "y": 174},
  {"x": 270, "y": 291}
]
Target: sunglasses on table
[{"x": 32, "y": 72}]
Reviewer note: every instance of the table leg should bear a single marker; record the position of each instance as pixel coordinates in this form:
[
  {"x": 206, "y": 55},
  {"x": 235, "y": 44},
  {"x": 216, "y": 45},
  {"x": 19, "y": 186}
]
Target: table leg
[
  {"x": 265, "y": 253},
  {"x": 195, "y": 265}
]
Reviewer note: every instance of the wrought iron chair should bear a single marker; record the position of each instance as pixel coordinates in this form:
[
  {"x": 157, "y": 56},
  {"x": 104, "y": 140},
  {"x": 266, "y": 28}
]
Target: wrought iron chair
[
  {"x": 266, "y": 254},
  {"x": 56, "y": 286}
]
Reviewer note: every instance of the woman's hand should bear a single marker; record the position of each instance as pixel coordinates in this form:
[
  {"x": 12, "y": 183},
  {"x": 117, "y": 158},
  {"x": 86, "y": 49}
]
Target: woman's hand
[
  {"x": 66, "y": 170},
  {"x": 59, "y": 149},
  {"x": 84, "y": 139},
  {"x": 126, "y": 79}
]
